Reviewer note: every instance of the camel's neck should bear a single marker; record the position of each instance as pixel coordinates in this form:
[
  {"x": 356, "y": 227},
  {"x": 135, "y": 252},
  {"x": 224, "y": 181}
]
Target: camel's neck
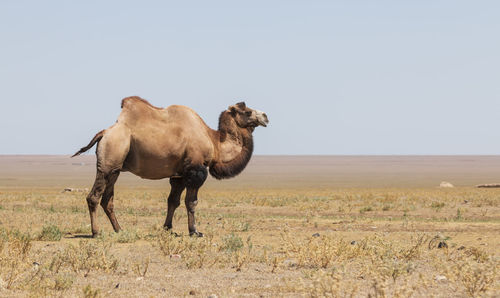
[{"x": 235, "y": 148}]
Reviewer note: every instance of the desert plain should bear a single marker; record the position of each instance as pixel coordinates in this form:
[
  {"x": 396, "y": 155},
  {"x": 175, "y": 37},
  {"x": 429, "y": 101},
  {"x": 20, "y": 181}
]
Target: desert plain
[{"x": 288, "y": 226}]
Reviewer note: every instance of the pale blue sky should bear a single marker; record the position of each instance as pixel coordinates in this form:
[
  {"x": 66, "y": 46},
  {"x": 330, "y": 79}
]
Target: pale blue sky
[{"x": 335, "y": 77}]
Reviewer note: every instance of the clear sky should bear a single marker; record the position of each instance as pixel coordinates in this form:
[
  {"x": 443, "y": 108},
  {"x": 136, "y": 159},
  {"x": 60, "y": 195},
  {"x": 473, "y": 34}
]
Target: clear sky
[{"x": 334, "y": 77}]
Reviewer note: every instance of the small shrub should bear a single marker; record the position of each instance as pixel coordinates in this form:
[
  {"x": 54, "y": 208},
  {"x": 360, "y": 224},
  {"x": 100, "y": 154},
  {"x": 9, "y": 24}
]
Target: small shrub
[
  {"x": 127, "y": 236},
  {"x": 232, "y": 243},
  {"x": 50, "y": 233},
  {"x": 199, "y": 253},
  {"x": 476, "y": 278},
  {"x": 86, "y": 257},
  {"x": 327, "y": 284},
  {"x": 76, "y": 209},
  {"x": 13, "y": 259},
  {"x": 244, "y": 227},
  {"x": 89, "y": 292},
  {"x": 141, "y": 268},
  {"x": 365, "y": 209},
  {"x": 477, "y": 254},
  {"x": 437, "y": 205},
  {"x": 170, "y": 244},
  {"x": 415, "y": 249},
  {"x": 3, "y": 239},
  {"x": 63, "y": 282},
  {"x": 20, "y": 243}
]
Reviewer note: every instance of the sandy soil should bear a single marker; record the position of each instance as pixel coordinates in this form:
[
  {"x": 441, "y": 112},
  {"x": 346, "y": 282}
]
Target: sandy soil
[{"x": 289, "y": 226}]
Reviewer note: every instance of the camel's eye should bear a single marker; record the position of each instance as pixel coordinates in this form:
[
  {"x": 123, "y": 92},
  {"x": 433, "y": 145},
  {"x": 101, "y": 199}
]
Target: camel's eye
[{"x": 248, "y": 113}]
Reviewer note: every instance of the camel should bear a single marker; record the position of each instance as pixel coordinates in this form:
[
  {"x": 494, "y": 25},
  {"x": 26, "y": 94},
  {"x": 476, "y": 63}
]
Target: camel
[{"x": 172, "y": 142}]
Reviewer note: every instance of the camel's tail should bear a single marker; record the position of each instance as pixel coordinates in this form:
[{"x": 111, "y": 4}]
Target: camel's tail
[{"x": 96, "y": 139}]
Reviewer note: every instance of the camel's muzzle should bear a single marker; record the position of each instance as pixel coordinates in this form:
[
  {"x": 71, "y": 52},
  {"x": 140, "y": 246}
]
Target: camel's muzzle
[{"x": 262, "y": 118}]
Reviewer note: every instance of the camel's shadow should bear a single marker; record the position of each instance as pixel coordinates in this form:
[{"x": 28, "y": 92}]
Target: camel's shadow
[{"x": 78, "y": 236}]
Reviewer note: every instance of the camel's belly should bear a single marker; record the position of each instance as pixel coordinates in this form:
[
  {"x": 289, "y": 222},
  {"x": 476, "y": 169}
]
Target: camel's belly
[{"x": 152, "y": 168}]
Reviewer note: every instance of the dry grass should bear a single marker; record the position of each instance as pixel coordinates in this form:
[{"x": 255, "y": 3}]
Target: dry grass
[
  {"x": 267, "y": 241},
  {"x": 272, "y": 242}
]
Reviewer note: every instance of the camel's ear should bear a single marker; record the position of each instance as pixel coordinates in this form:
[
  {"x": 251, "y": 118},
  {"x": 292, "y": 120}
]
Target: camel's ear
[{"x": 239, "y": 106}]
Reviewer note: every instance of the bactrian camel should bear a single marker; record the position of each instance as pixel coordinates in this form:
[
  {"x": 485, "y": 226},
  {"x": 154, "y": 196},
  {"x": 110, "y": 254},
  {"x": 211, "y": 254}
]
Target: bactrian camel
[{"x": 172, "y": 142}]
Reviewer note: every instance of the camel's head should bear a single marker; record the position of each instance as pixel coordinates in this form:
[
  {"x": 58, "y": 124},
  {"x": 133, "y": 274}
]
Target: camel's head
[{"x": 246, "y": 117}]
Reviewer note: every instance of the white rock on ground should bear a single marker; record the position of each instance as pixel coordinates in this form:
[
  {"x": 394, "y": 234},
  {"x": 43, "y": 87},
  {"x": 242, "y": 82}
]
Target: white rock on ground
[
  {"x": 441, "y": 278},
  {"x": 445, "y": 184}
]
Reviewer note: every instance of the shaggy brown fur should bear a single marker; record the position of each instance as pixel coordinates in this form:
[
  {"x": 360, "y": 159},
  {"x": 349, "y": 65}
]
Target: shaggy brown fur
[
  {"x": 227, "y": 126},
  {"x": 157, "y": 143}
]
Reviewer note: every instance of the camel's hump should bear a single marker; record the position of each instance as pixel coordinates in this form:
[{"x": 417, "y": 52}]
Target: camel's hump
[
  {"x": 134, "y": 107},
  {"x": 131, "y": 100}
]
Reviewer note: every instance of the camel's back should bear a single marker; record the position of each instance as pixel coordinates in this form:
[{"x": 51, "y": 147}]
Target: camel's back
[
  {"x": 165, "y": 133},
  {"x": 138, "y": 113}
]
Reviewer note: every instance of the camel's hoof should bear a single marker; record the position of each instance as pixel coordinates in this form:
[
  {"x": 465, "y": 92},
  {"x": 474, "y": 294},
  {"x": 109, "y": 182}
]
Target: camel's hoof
[
  {"x": 196, "y": 234},
  {"x": 95, "y": 235}
]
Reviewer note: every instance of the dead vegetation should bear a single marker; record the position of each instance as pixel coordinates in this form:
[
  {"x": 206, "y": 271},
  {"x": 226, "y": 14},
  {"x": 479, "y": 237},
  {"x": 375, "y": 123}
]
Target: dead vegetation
[{"x": 420, "y": 242}]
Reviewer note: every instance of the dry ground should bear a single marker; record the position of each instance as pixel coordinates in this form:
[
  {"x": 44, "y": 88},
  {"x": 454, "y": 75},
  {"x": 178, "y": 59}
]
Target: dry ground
[{"x": 289, "y": 226}]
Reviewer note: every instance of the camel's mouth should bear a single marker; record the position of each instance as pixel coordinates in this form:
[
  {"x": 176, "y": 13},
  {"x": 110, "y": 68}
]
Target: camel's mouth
[{"x": 262, "y": 118}]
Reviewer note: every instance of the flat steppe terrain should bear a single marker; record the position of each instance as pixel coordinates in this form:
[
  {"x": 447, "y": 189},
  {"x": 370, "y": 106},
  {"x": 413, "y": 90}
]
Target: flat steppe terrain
[
  {"x": 273, "y": 172},
  {"x": 288, "y": 226}
]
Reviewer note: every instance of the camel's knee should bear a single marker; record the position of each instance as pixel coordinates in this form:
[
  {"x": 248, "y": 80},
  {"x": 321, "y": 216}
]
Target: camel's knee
[
  {"x": 97, "y": 191},
  {"x": 174, "y": 201},
  {"x": 194, "y": 176},
  {"x": 191, "y": 205},
  {"x": 92, "y": 201}
]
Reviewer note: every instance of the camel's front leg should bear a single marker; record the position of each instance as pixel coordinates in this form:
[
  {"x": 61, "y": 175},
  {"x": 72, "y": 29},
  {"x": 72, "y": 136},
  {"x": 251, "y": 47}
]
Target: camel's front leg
[
  {"x": 191, "y": 202},
  {"x": 194, "y": 177}
]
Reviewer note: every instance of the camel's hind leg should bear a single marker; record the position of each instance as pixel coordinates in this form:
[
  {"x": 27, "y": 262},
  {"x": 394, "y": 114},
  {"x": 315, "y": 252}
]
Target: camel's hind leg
[
  {"x": 174, "y": 200},
  {"x": 111, "y": 153},
  {"x": 107, "y": 199},
  {"x": 93, "y": 200}
]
